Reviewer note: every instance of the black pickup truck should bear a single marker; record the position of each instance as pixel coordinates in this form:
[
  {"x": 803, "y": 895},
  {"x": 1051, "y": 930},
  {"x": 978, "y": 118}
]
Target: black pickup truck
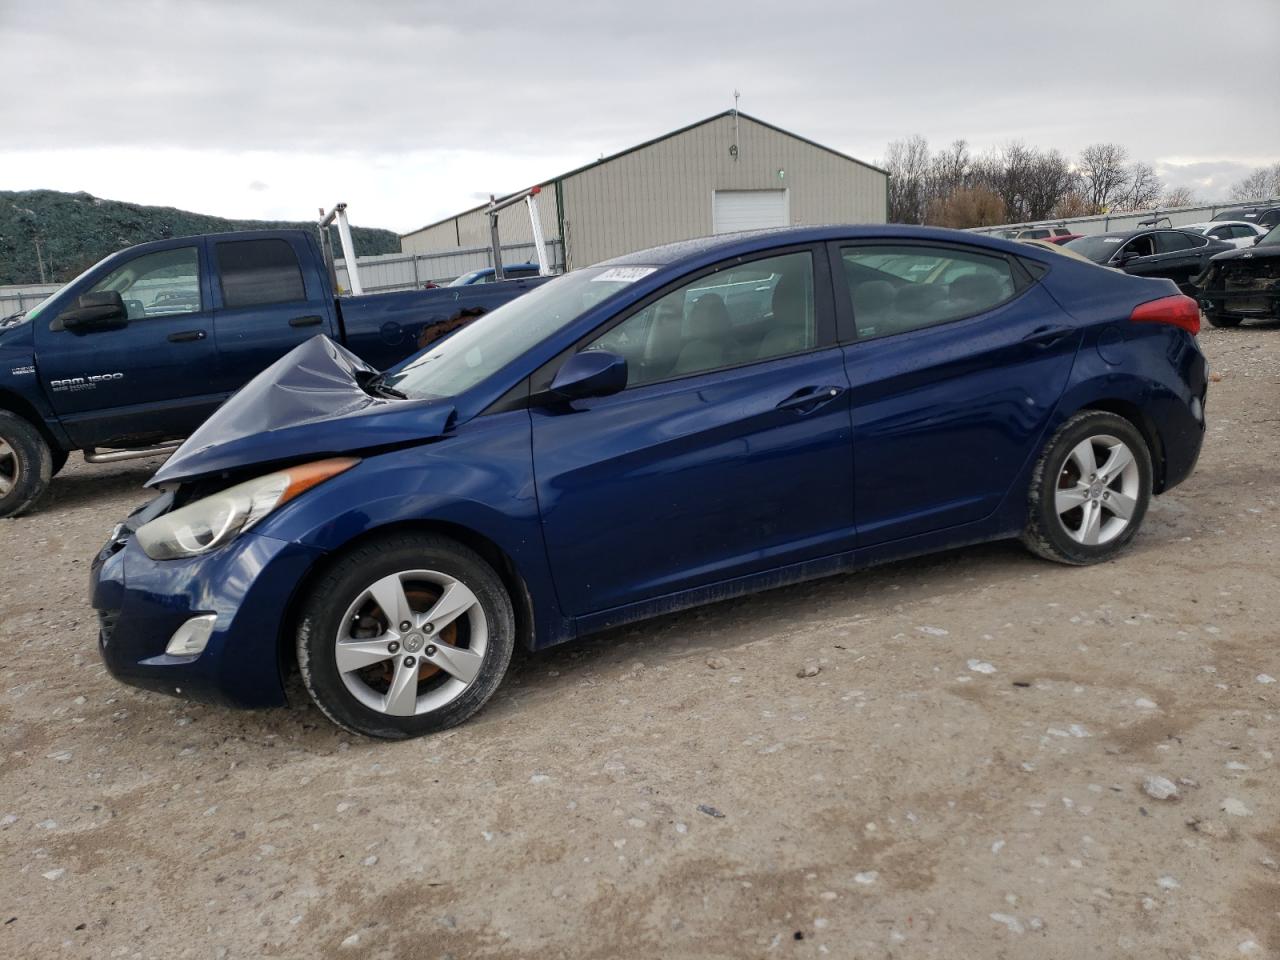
[{"x": 135, "y": 353}]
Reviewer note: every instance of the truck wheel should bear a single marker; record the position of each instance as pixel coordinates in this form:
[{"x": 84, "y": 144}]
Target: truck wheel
[
  {"x": 1089, "y": 490},
  {"x": 26, "y": 464},
  {"x": 1222, "y": 320},
  {"x": 405, "y": 636}
]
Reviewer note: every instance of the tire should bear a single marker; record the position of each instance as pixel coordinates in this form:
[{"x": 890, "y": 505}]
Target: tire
[
  {"x": 59, "y": 460},
  {"x": 1091, "y": 526},
  {"x": 454, "y": 669},
  {"x": 26, "y": 464},
  {"x": 1222, "y": 320}
]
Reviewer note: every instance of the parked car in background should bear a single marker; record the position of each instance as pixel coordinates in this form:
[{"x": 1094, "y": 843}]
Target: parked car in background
[
  {"x": 136, "y": 351},
  {"x": 1054, "y": 234},
  {"x": 1238, "y": 233},
  {"x": 516, "y": 271},
  {"x": 1266, "y": 215},
  {"x": 1063, "y": 238},
  {"x": 1057, "y": 248},
  {"x": 632, "y": 439},
  {"x": 1242, "y": 284},
  {"x": 1175, "y": 255}
]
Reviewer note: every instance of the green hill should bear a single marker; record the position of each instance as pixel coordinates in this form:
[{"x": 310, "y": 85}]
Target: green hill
[{"x": 72, "y": 231}]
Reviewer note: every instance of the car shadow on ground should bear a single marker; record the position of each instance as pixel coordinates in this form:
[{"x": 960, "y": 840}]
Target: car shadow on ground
[{"x": 85, "y": 487}]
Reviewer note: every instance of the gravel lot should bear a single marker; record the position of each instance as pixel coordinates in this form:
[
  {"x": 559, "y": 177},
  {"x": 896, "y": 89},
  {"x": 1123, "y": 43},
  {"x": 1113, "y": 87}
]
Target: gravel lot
[{"x": 971, "y": 772}]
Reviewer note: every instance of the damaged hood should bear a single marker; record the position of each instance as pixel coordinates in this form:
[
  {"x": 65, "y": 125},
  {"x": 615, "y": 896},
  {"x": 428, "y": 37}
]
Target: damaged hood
[{"x": 309, "y": 403}]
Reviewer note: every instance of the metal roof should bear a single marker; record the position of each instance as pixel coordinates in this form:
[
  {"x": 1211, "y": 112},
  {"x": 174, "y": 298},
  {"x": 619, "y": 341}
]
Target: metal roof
[{"x": 648, "y": 143}]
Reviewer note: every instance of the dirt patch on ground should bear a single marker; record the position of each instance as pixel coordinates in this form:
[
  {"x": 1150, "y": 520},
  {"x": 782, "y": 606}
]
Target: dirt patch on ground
[{"x": 898, "y": 804}]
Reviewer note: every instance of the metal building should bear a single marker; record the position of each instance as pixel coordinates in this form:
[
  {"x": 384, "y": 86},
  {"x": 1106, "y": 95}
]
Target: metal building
[{"x": 728, "y": 172}]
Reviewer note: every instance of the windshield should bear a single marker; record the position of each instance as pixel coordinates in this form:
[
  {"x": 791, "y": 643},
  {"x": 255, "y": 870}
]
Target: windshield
[
  {"x": 466, "y": 278},
  {"x": 1097, "y": 249},
  {"x": 493, "y": 341},
  {"x": 32, "y": 312}
]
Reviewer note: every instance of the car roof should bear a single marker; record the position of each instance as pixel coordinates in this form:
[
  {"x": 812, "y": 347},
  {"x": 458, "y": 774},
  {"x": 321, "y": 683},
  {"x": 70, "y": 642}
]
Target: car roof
[{"x": 726, "y": 245}]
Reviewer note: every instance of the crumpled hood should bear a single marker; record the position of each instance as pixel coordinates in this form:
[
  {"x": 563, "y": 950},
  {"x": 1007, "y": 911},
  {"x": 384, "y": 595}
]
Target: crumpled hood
[
  {"x": 1247, "y": 253},
  {"x": 309, "y": 403}
]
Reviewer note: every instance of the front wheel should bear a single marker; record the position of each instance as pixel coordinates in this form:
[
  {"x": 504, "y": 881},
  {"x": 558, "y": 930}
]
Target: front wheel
[
  {"x": 1090, "y": 489},
  {"x": 26, "y": 464},
  {"x": 404, "y": 636}
]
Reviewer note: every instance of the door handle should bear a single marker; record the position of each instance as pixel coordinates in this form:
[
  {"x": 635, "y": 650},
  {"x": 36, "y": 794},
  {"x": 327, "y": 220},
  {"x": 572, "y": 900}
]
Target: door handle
[
  {"x": 186, "y": 335},
  {"x": 808, "y": 399},
  {"x": 311, "y": 321},
  {"x": 1045, "y": 337}
]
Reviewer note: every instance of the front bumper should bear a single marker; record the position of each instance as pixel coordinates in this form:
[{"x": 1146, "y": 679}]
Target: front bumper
[{"x": 247, "y": 584}]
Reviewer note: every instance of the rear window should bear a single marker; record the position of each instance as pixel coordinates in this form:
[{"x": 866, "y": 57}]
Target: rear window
[{"x": 257, "y": 272}]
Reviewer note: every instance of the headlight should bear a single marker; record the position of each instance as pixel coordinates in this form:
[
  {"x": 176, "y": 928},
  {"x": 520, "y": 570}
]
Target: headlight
[{"x": 209, "y": 523}]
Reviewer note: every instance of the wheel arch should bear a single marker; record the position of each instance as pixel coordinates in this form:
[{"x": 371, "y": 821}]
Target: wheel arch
[
  {"x": 1145, "y": 425},
  {"x": 14, "y": 403},
  {"x": 489, "y": 551}
]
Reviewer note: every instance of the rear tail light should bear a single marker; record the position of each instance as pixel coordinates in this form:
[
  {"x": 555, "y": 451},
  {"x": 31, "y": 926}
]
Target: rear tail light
[{"x": 1178, "y": 310}]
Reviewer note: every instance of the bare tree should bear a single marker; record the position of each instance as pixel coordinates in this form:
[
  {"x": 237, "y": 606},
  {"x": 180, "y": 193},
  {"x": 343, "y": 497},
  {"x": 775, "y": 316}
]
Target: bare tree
[
  {"x": 1103, "y": 174},
  {"x": 1262, "y": 184},
  {"x": 908, "y": 164},
  {"x": 1141, "y": 190},
  {"x": 1179, "y": 197}
]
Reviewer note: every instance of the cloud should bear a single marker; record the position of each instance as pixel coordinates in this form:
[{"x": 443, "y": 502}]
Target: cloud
[{"x": 397, "y": 91}]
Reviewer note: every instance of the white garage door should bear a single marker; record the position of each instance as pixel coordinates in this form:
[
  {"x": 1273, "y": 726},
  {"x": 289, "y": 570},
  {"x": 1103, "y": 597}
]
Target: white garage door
[{"x": 733, "y": 210}]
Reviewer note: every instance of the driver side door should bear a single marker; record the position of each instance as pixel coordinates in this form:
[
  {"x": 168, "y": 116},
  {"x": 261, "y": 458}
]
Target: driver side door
[{"x": 151, "y": 379}]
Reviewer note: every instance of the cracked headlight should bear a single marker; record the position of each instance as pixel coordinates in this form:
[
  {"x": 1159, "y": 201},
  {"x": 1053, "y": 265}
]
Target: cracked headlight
[{"x": 218, "y": 519}]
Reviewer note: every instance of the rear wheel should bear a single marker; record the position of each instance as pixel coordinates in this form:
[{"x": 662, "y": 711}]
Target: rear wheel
[
  {"x": 405, "y": 636},
  {"x": 1090, "y": 489},
  {"x": 26, "y": 464}
]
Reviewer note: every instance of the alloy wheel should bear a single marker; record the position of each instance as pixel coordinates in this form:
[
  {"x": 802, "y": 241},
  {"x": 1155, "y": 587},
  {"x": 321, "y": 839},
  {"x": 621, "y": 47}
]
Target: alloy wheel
[
  {"x": 1097, "y": 490},
  {"x": 10, "y": 470},
  {"x": 411, "y": 643}
]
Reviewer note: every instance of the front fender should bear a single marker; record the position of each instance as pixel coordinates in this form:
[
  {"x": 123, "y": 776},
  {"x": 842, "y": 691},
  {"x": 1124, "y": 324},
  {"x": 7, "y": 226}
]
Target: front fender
[{"x": 479, "y": 479}]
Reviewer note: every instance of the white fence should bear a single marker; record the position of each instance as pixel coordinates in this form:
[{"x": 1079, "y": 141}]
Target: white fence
[
  {"x": 390, "y": 271},
  {"x": 409, "y": 271},
  {"x": 19, "y": 298},
  {"x": 1105, "y": 223}
]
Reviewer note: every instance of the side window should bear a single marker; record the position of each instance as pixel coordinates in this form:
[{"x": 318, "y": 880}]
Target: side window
[
  {"x": 1167, "y": 241},
  {"x": 257, "y": 272},
  {"x": 157, "y": 284},
  {"x": 1143, "y": 246},
  {"x": 896, "y": 289},
  {"x": 740, "y": 314}
]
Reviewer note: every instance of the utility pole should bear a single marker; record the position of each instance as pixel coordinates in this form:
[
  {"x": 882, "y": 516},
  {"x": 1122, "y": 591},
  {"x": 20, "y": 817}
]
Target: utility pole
[{"x": 39, "y": 258}]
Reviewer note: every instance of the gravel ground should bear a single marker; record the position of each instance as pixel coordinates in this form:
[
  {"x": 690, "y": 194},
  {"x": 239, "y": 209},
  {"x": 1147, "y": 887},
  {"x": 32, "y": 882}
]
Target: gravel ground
[{"x": 979, "y": 754}]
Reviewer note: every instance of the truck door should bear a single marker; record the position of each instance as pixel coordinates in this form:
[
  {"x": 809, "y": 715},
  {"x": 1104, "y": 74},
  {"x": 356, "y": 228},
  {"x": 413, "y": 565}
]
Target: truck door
[
  {"x": 265, "y": 304},
  {"x": 150, "y": 380}
]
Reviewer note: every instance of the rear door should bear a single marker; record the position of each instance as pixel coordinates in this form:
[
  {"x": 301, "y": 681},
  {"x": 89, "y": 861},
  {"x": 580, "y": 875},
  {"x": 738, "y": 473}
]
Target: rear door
[
  {"x": 727, "y": 454},
  {"x": 154, "y": 378},
  {"x": 265, "y": 303},
  {"x": 956, "y": 359}
]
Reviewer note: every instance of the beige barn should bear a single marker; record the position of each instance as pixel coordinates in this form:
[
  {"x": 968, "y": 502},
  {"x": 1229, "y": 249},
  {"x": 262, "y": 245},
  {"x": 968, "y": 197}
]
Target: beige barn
[{"x": 728, "y": 172}]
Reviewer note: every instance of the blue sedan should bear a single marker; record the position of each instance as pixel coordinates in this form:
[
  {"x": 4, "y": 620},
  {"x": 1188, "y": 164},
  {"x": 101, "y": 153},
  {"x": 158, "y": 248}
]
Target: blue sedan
[{"x": 674, "y": 427}]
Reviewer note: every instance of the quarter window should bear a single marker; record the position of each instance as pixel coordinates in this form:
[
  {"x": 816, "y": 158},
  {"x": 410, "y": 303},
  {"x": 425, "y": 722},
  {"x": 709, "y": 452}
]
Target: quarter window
[
  {"x": 895, "y": 289},
  {"x": 257, "y": 272},
  {"x": 736, "y": 315},
  {"x": 157, "y": 284}
]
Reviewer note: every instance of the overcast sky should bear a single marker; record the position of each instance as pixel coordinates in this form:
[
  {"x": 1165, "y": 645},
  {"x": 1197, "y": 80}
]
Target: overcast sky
[{"x": 411, "y": 110}]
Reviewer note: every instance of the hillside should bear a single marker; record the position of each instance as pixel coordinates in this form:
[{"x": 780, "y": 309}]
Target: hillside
[{"x": 74, "y": 230}]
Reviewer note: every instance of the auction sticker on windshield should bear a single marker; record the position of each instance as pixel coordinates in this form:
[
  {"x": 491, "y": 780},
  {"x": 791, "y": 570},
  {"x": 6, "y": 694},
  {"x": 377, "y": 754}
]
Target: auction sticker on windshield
[{"x": 624, "y": 274}]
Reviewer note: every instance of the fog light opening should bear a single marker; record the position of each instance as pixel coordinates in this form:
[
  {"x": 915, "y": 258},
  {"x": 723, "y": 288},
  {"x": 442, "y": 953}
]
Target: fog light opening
[{"x": 190, "y": 638}]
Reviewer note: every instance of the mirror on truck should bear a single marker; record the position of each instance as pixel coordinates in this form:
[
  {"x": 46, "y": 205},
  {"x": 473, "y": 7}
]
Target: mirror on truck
[{"x": 104, "y": 310}]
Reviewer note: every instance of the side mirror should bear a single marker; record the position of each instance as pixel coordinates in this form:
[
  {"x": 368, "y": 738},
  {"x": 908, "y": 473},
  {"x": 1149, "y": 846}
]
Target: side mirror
[
  {"x": 592, "y": 373},
  {"x": 1123, "y": 258},
  {"x": 95, "y": 311}
]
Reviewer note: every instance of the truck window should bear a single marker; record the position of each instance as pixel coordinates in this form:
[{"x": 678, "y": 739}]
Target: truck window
[
  {"x": 256, "y": 272},
  {"x": 157, "y": 284}
]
